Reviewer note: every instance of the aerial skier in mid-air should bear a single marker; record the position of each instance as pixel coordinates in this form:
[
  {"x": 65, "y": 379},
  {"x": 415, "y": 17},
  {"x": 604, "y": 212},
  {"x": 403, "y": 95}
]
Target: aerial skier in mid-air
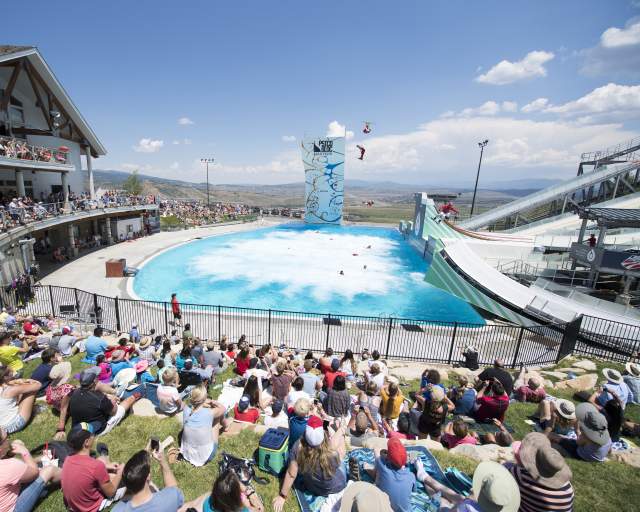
[
  {"x": 367, "y": 127},
  {"x": 362, "y": 152}
]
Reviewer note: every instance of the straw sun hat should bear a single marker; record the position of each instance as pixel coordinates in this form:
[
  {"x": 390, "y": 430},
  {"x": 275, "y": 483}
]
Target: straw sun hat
[
  {"x": 632, "y": 369},
  {"x": 612, "y": 375},
  {"x": 566, "y": 409}
]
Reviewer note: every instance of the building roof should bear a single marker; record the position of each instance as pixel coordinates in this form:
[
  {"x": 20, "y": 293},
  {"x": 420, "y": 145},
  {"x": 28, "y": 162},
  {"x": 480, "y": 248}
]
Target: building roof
[
  {"x": 612, "y": 217},
  {"x": 9, "y": 53}
]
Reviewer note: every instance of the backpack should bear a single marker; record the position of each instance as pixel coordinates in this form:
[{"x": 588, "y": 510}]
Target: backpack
[{"x": 244, "y": 468}]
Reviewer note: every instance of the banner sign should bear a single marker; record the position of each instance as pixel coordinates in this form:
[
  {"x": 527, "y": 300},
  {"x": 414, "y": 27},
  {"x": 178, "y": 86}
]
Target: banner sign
[{"x": 323, "y": 160}]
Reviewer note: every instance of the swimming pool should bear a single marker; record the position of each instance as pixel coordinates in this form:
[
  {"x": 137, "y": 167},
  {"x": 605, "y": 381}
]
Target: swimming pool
[{"x": 351, "y": 270}]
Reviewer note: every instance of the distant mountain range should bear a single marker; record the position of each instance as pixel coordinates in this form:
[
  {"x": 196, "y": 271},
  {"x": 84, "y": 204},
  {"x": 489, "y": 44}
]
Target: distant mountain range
[{"x": 291, "y": 194}]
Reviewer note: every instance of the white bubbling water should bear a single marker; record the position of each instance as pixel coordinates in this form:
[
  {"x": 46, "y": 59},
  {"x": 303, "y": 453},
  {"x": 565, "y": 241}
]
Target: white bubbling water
[{"x": 306, "y": 261}]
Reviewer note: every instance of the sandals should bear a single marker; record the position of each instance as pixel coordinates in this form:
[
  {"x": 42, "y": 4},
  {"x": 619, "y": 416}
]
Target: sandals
[{"x": 354, "y": 469}]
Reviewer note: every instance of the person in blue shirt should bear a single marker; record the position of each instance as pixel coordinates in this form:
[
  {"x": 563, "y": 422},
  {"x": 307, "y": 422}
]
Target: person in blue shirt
[
  {"x": 298, "y": 417},
  {"x": 137, "y": 477},
  {"x": 392, "y": 475},
  {"x": 95, "y": 345},
  {"x": 134, "y": 335},
  {"x": 118, "y": 363}
]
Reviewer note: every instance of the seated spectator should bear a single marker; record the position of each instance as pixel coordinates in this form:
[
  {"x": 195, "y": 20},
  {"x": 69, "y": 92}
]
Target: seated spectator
[
  {"x": 457, "y": 432},
  {"x": 337, "y": 403},
  {"x": 183, "y": 355},
  {"x": 262, "y": 374},
  {"x": 631, "y": 378},
  {"x": 281, "y": 381},
  {"x": 142, "y": 372},
  {"x": 463, "y": 396},
  {"x": 187, "y": 335},
  {"x": 364, "y": 497},
  {"x": 17, "y": 397},
  {"x": 594, "y": 441},
  {"x": 429, "y": 378},
  {"x": 49, "y": 357},
  {"x": 374, "y": 375},
  {"x": 169, "y": 398},
  {"x": 167, "y": 355},
  {"x": 203, "y": 420},
  {"x": 312, "y": 381},
  {"x": 532, "y": 391},
  {"x": 105, "y": 376},
  {"x": 375, "y": 359},
  {"x": 470, "y": 356},
  {"x": 146, "y": 350},
  {"x": 543, "y": 476},
  {"x": 494, "y": 489},
  {"x": 95, "y": 345},
  {"x": 370, "y": 399},
  {"x": 10, "y": 355},
  {"x": 68, "y": 343},
  {"x": 557, "y": 417},
  {"x": 316, "y": 459},
  {"x": 502, "y": 438},
  {"x": 231, "y": 351},
  {"x": 498, "y": 372},
  {"x": 228, "y": 495},
  {"x": 392, "y": 476},
  {"x": 278, "y": 417},
  {"x": 119, "y": 362},
  {"x": 348, "y": 366},
  {"x": 214, "y": 359},
  {"x": 192, "y": 375},
  {"x": 429, "y": 422},
  {"x": 615, "y": 385},
  {"x": 404, "y": 427},
  {"x": 613, "y": 413},
  {"x": 197, "y": 352},
  {"x": 136, "y": 476},
  {"x": 492, "y": 401},
  {"x": 30, "y": 328},
  {"x": 58, "y": 395},
  {"x": 359, "y": 428},
  {"x": 242, "y": 362},
  {"x": 298, "y": 418},
  {"x": 243, "y": 411},
  {"x": 22, "y": 484},
  {"x": 296, "y": 391},
  {"x": 89, "y": 405},
  {"x": 392, "y": 401},
  {"x": 253, "y": 391},
  {"x": 89, "y": 484}
]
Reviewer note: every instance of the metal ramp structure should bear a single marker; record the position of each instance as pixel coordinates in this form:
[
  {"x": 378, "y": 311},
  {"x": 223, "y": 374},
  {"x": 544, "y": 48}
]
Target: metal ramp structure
[{"x": 615, "y": 173}]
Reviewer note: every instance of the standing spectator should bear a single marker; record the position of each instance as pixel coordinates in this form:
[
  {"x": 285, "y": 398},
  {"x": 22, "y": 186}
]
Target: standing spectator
[
  {"x": 175, "y": 309},
  {"x": 498, "y": 372},
  {"x": 632, "y": 380},
  {"x": 89, "y": 484},
  {"x": 22, "y": 484},
  {"x": 543, "y": 476},
  {"x": 492, "y": 401},
  {"x": 391, "y": 404},
  {"x": 136, "y": 476}
]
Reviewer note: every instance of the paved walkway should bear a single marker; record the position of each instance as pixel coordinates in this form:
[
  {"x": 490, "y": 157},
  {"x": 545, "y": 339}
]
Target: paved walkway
[{"x": 88, "y": 272}]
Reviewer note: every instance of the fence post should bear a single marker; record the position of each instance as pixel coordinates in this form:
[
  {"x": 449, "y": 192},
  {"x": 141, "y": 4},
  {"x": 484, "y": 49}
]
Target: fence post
[
  {"x": 53, "y": 306},
  {"x": 75, "y": 293},
  {"x": 328, "y": 326},
  {"x": 388, "y": 338},
  {"x": 219, "y": 325},
  {"x": 117, "y": 308},
  {"x": 515, "y": 356},
  {"x": 269, "y": 329},
  {"x": 166, "y": 318},
  {"x": 453, "y": 341}
]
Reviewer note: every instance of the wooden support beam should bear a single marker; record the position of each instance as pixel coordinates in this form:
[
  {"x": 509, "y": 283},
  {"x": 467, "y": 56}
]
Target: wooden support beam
[
  {"x": 6, "y": 98},
  {"x": 45, "y": 112}
]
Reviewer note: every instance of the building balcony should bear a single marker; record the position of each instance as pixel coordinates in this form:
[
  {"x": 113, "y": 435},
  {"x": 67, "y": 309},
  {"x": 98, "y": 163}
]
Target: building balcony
[{"x": 16, "y": 153}]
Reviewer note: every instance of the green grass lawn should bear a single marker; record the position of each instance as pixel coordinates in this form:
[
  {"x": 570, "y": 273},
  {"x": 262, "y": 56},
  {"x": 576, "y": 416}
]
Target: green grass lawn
[{"x": 603, "y": 487}]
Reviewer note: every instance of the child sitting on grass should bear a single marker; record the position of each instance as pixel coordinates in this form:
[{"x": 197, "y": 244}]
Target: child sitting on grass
[{"x": 457, "y": 432}]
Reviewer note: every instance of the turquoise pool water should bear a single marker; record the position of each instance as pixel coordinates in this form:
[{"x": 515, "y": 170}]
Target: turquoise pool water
[{"x": 298, "y": 267}]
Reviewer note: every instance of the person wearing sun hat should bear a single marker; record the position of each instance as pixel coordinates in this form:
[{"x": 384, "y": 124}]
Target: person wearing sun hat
[
  {"x": 594, "y": 442},
  {"x": 543, "y": 476},
  {"x": 364, "y": 497},
  {"x": 316, "y": 460},
  {"x": 614, "y": 385},
  {"x": 494, "y": 490},
  {"x": 631, "y": 378},
  {"x": 146, "y": 350},
  {"x": 558, "y": 417}
]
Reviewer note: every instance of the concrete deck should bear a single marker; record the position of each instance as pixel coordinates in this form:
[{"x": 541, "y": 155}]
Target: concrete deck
[{"x": 88, "y": 272}]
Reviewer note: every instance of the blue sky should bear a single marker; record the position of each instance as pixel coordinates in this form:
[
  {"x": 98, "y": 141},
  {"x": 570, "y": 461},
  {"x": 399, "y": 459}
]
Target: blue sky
[{"x": 246, "y": 75}]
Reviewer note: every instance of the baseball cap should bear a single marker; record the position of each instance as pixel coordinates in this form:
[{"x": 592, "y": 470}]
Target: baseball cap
[
  {"x": 244, "y": 403},
  {"x": 277, "y": 406},
  {"x": 87, "y": 378},
  {"x": 335, "y": 364},
  {"x": 396, "y": 452},
  {"x": 66, "y": 330},
  {"x": 314, "y": 433}
]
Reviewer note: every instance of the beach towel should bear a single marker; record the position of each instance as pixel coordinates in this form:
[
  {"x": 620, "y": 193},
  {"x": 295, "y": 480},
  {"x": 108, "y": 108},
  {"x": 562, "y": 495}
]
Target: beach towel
[{"x": 420, "y": 500}]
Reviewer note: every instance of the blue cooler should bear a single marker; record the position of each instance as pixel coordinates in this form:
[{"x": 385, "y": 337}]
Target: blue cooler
[{"x": 272, "y": 450}]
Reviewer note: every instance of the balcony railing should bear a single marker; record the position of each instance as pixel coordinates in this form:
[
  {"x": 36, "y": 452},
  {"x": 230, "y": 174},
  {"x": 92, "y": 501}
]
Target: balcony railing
[{"x": 20, "y": 150}]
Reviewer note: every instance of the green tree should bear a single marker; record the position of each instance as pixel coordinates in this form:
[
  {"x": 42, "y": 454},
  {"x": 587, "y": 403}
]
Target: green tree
[{"x": 133, "y": 184}]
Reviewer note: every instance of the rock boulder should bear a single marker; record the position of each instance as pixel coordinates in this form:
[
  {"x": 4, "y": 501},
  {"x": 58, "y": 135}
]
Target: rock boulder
[
  {"x": 481, "y": 453},
  {"x": 583, "y": 383},
  {"x": 586, "y": 365}
]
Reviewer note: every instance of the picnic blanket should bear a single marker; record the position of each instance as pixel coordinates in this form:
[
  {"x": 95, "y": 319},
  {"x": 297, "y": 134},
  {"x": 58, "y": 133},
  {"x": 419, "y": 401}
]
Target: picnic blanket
[
  {"x": 481, "y": 428},
  {"x": 231, "y": 395},
  {"x": 420, "y": 500}
]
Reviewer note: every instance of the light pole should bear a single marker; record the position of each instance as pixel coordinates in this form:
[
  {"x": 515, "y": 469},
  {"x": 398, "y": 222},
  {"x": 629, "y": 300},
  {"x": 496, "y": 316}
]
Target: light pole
[
  {"x": 207, "y": 161},
  {"x": 475, "y": 189}
]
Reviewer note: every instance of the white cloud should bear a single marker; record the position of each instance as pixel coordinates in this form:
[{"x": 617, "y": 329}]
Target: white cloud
[
  {"x": 186, "y": 142},
  {"x": 615, "y": 37},
  {"x": 135, "y": 167},
  {"x": 609, "y": 102},
  {"x": 507, "y": 72},
  {"x": 148, "y": 146},
  {"x": 174, "y": 166},
  {"x": 536, "y": 105},
  {"x": 289, "y": 138},
  {"x": 335, "y": 129},
  {"x": 185, "y": 121},
  {"x": 175, "y": 142},
  {"x": 509, "y": 106},
  {"x": 617, "y": 52}
]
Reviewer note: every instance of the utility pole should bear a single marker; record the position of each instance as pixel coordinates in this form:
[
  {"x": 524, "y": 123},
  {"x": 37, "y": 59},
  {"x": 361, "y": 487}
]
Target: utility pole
[
  {"x": 207, "y": 161},
  {"x": 475, "y": 189}
]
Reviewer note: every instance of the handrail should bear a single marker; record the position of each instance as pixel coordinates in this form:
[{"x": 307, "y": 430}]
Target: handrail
[
  {"x": 20, "y": 150},
  {"x": 595, "y": 156}
]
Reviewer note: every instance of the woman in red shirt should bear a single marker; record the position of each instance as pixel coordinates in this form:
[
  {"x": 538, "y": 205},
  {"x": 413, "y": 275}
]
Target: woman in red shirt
[{"x": 242, "y": 362}]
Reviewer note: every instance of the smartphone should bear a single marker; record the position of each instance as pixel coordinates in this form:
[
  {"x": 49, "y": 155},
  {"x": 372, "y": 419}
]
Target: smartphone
[
  {"x": 325, "y": 424},
  {"x": 154, "y": 444}
]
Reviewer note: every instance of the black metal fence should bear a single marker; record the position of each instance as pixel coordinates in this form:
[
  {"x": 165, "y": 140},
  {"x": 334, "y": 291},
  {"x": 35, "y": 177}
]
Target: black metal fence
[
  {"x": 396, "y": 338},
  {"x": 607, "y": 339}
]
